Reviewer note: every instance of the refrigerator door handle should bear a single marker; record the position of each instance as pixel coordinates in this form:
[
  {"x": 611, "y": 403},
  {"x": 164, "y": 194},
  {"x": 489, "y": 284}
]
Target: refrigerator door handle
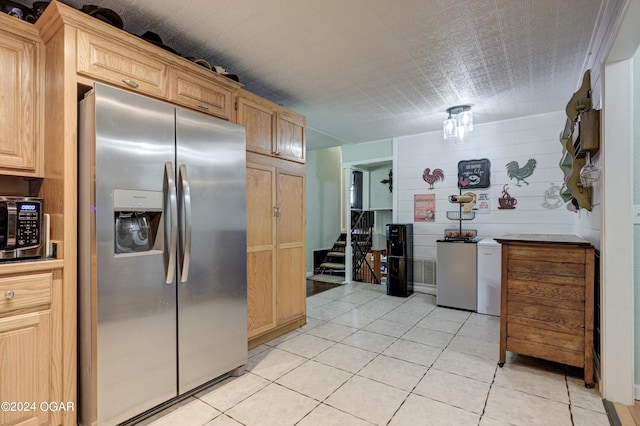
[
  {"x": 169, "y": 194},
  {"x": 185, "y": 231}
]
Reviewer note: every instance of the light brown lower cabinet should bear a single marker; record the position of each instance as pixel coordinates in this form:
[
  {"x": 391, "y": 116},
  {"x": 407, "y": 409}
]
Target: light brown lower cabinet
[
  {"x": 31, "y": 346},
  {"x": 276, "y": 254},
  {"x": 547, "y": 299}
]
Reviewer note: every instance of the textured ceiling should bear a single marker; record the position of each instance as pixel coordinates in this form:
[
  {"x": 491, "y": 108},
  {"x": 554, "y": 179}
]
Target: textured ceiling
[{"x": 364, "y": 70}]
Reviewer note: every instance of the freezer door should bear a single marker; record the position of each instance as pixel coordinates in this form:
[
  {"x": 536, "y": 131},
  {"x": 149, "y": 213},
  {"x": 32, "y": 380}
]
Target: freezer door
[
  {"x": 127, "y": 310},
  {"x": 456, "y": 275},
  {"x": 212, "y": 275}
]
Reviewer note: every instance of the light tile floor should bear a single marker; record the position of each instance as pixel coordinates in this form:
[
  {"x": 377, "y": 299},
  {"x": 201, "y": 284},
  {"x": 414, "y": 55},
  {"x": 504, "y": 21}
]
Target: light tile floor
[{"x": 365, "y": 358}]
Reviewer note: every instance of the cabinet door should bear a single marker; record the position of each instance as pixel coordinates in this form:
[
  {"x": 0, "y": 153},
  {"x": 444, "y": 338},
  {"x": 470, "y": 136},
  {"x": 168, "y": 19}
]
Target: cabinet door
[
  {"x": 291, "y": 291},
  {"x": 259, "y": 122},
  {"x": 19, "y": 135},
  {"x": 25, "y": 353},
  {"x": 108, "y": 60},
  {"x": 261, "y": 253},
  {"x": 291, "y": 136},
  {"x": 202, "y": 95}
]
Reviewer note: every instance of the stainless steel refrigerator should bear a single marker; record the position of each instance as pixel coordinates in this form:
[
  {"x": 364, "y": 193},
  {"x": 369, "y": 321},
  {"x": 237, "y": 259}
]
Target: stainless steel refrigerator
[{"x": 162, "y": 289}]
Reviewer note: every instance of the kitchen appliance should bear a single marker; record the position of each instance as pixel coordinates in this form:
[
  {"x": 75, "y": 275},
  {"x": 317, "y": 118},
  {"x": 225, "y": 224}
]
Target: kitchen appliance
[
  {"x": 162, "y": 253},
  {"x": 456, "y": 274},
  {"x": 400, "y": 259},
  {"x": 489, "y": 276},
  {"x": 21, "y": 227}
]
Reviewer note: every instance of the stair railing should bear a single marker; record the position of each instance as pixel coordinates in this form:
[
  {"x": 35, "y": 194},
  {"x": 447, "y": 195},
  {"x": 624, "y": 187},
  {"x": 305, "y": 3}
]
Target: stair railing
[{"x": 361, "y": 234}]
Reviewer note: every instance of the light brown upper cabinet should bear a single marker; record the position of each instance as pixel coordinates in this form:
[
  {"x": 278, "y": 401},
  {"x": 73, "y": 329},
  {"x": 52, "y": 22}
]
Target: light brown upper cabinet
[
  {"x": 290, "y": 136},
  {"x": 199, "y": 93},
  {"x": 107, "y": 59},
  {"x": 21, "y": 95},
  {"x": 271, "y": 129}
]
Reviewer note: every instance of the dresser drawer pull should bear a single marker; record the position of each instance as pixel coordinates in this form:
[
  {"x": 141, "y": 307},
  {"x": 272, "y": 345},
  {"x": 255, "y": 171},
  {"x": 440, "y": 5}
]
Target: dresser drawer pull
[
  {"x": 9, "y": 294},
  {"x": 131, "y": 83},
  {"x": 205, "y": 107}
]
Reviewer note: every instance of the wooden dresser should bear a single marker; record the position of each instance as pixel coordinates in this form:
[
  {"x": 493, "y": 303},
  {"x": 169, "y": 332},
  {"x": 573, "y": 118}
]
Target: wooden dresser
[{"x": 547, "y": 299}]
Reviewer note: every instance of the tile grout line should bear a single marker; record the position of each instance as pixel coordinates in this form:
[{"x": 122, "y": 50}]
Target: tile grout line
[
  {"x": 486, "y": 401},
  {"x": 352, "y": 373},
  {"x": 566, "y": 382},
  {"x": 334, "y": 343}
]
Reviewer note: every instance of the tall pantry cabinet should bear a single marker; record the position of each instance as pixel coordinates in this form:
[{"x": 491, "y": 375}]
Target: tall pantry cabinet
[
  {"x": 276, "y": 250},
  {"x": 34, "y": 366}
]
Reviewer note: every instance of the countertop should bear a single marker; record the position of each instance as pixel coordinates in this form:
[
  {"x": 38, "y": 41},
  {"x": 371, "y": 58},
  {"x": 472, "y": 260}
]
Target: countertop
[{"x": 543, "y": 238}]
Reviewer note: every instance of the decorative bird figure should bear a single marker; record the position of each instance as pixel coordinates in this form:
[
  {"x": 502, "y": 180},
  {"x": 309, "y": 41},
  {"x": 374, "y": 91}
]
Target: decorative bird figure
[
  {"x": 520, "y": 173},
  {"x": 431, "y": 178}
]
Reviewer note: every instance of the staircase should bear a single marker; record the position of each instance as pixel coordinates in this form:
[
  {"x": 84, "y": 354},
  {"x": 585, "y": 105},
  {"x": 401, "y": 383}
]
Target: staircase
[
  {"x": 361, "y": 236},
  {"x": 334, "y": 261}
]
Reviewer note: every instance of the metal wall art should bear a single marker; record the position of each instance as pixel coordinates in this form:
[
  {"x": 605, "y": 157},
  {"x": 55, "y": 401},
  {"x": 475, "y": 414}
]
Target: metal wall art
[
  {"x": 389, "y": 181},
  {"x": 514, "y": 171},
  {"x": 552, "y": 198},
  {"x": 432, "y": 177},
  {"x": 474, "y": 173},
  {"x": 506, "y": 202}
]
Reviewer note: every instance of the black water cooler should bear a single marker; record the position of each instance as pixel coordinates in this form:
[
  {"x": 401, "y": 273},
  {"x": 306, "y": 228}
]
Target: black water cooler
[{"x": 400, "y": 259}]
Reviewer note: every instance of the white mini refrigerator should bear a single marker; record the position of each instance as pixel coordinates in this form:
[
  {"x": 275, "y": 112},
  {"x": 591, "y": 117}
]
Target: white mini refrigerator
[
  {"x": 489, "y": 276},
  {"x": 456, "y": 274}
]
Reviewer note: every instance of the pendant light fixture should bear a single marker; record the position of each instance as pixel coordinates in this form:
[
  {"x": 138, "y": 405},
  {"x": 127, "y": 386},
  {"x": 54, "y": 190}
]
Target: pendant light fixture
[{"x": 459, "y": 122}]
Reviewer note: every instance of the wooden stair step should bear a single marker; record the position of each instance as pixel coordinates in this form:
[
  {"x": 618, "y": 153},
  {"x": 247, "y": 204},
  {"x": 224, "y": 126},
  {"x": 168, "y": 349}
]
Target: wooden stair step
[
  {"x": 336, "y": 254},
  {"x": 332, "y": 265}
]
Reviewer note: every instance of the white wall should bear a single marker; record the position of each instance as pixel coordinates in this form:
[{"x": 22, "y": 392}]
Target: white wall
[
  {"x": 366, "y": 152},
  {"x": 617, "y": 239},
  {"x": 379, "y": 195},
  {"x": 323, "y": 199},
  {"x": 636, "y": 201},
  {"x": 534, "y": 137},
  {"x": 617, "y": 235}
]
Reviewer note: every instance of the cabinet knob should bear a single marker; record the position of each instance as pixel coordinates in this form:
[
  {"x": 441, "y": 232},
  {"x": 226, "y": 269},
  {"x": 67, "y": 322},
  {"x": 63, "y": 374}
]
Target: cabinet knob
[
  {"x": 9, "y": 294},
  {"x": 203, "y": 106},
  {"x": 131, "y": 83},
  {"x": 276, "y": 153}
]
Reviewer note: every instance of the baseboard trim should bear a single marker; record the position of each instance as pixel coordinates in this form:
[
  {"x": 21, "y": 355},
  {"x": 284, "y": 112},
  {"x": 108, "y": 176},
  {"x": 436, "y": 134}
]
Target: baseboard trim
[
  {"x": 424, "y": 288},
  {"x": 277, "y": 332}
]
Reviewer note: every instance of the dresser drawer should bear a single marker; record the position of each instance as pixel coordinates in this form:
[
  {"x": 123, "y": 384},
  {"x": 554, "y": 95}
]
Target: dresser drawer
[
  {"x": 25, "y": 291},
  {"x": 569, "y": 288},
  {"x": 550, "y": 334},
  {"x": 544, "y": 268},
  {"x": 120, "y": 64},
  {"x": 200, "y": 94},
  {"x": 564, "y": 312},
  {"x": 547, "y": 254},
  {"x": 545, "y": 351}
]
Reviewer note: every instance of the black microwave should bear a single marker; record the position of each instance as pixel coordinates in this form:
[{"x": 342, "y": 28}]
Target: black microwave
[{"x": 21, "y": 227}]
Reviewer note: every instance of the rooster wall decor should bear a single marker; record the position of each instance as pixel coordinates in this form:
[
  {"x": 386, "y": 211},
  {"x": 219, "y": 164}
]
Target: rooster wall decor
[
  {"x": 520, "y": 173},
  {"x": 431, "y": 178}
]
